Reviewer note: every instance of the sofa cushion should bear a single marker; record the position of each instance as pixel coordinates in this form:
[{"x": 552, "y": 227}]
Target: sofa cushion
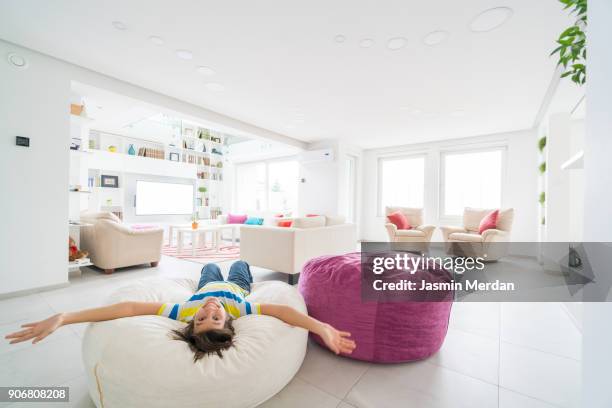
[
  {"x": 414, "y": 215},
  {"x": 285, "y": 223},
  {"x": 463, "y": 236},
  {"x": 473, "y": 216},
  {"x": 254, "y": 221},
  {"x": 410, "y": 233},
  {"x": 334, "y": 220},
  {"x": 488, "y": 222},
  {"x": 236, "y": 219},
  {"x": 309, "y": 222},
  {"x": 399, "y": 220}
]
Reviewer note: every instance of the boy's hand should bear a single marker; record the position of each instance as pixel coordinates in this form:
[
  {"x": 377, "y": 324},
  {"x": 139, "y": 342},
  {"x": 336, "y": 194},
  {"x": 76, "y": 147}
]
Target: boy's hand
[
  {"x": 37, "y": 330},
  {"x": 337, "y": 341}
]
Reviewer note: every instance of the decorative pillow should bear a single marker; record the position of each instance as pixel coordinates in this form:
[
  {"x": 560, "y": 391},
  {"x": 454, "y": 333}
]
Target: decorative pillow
[
  {"x": 488, "y": 222},
  {"x": 254, "y": 221},
  {"x": 236, "y": 219},
  {"x": 399, "y": 220},
  {"x": 285, "y": 224},
  {"x": 312, "y": 215}
]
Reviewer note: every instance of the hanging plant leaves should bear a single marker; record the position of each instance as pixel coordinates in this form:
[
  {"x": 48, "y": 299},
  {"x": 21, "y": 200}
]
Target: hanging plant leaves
[{"x": 572, "y": 43}]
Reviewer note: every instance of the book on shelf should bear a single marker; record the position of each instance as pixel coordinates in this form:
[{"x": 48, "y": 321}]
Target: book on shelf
[{"x": 153, "y": 153}]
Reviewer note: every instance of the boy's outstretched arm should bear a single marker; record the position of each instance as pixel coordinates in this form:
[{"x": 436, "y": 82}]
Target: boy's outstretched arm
[
  {"x": 40, "y": 330},
  {"x": 338, "y": 341}
]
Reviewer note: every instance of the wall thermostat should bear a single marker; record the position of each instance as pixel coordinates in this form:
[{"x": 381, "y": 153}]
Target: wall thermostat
[{"x": 22, "y": 141}]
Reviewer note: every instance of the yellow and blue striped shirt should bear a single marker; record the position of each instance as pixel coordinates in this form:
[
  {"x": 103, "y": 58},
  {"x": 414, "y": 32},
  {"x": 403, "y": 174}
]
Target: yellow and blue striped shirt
[{"x": 231, "y": 296}]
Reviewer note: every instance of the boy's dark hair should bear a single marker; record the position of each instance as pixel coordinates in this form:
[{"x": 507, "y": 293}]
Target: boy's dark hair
[{"x": 209, "y": 342}]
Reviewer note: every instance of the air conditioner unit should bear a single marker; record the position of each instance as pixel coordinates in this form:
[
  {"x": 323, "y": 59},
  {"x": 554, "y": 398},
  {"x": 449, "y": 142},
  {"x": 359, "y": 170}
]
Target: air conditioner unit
[{"x": 320, "y": 155}]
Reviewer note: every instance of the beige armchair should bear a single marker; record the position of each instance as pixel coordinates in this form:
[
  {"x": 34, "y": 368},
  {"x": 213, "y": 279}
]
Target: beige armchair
[
  {"x": 113, "y": 245},
  {"x": 467, "y": 241},
  {"x": 419, "y": 233}
]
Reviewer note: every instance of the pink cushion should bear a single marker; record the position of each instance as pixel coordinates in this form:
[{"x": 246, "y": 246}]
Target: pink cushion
[
  {"x": 236, "y": 219},
  {"x": 488, "y": 222},
  {"x": 399, "y": 220}
]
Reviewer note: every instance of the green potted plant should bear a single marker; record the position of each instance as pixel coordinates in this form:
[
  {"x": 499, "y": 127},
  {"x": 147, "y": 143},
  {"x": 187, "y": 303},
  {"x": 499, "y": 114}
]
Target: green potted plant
[{"x": 202, "y": 190}]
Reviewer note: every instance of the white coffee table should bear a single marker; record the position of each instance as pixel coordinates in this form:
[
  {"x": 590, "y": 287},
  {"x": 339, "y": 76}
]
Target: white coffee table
[
  {"x": 172, "y": 229},
  {"x": 196, "y": 234},
  {"x": 231, "y": 227}
]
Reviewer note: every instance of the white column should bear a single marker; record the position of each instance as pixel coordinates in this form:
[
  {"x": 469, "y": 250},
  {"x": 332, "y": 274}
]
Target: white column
[{"x": 597, "y": 334}]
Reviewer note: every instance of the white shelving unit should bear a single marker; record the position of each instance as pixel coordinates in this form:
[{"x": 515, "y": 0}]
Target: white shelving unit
[{"x": 78, "y": 200}]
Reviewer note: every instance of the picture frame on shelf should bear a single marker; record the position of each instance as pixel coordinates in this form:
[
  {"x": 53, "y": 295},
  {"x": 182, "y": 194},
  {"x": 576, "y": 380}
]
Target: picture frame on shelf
[
  {"x": 174, "y": 157},
  {"x": 109, "y": 181}
]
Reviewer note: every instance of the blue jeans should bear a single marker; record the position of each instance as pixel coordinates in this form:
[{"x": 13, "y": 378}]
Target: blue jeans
[{"x": 239, "y": 273}]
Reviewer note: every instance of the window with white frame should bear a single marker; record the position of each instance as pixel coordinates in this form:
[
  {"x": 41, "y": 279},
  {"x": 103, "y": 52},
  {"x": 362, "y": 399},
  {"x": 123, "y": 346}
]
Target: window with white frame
[
  {"x": 267, "y": 186},
  {"x": 471, "y": 179},
  {"x": 401, "y": 182}
]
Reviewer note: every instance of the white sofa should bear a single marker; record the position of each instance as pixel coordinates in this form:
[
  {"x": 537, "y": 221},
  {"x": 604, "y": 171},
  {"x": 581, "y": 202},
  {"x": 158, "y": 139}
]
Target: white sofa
[{"x": 286, "y": 249}]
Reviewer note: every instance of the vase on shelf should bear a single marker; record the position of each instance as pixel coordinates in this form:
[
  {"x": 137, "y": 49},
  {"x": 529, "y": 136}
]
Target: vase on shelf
[{"x": 132, "y": 150}]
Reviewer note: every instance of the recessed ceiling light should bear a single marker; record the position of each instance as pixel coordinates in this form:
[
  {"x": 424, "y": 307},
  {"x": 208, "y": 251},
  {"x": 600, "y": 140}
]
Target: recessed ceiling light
[
  {"x": 435, "y": 37},
  {"x": 215, "y": 87},
  {"x": 339, "y": 38},
  {"x": 490, "y": 19},
  {"x": 396, "y": 43},
  {"x": 17, "y": 61},
  {"x": 119, "y": 25},
  {"x": 366, "y": 43},
  {"x": 184, "y": 54},
  {"x": 458, "y": 113},
  {"x": 156, "y": 40},
  {"x": 205, "y": 70}
]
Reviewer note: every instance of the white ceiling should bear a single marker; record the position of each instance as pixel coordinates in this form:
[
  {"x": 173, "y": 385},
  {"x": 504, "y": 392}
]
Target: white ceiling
[{"x": 282, "y": 69}]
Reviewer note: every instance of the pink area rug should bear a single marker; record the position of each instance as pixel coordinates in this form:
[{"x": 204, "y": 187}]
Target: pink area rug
[{"x": 204, "y": 255}]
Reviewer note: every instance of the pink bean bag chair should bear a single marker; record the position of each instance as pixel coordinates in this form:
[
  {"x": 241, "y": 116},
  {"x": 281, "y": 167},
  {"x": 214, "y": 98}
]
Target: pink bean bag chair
[{"x": 385, "y": 332}]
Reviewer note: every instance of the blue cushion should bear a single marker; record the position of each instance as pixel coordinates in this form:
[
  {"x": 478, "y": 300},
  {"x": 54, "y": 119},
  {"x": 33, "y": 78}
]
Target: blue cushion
[{"x": 254, "y": 221}]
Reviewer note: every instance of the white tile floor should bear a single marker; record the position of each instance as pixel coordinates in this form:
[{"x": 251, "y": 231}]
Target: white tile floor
[{"x": 519, "y": 355}]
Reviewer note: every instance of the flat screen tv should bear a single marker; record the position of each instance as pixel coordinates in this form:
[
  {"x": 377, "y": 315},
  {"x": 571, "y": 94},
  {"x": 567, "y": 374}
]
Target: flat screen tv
[{"x": 157, "y": 198}]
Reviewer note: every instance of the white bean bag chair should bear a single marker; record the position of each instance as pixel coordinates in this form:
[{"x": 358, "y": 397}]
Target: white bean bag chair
[{"x": 133, "y": 362}]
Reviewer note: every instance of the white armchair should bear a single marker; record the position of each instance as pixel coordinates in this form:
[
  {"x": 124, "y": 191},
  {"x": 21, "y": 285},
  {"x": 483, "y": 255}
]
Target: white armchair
[
  {"x": 468, "y": 241},
  {"x": 111, "y": 244},
  {"x": 419, "y": 233}
]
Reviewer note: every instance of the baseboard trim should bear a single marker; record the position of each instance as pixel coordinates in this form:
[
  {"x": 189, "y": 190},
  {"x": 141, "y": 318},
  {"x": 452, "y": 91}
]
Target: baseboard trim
[{"x": 26, "y": 292}]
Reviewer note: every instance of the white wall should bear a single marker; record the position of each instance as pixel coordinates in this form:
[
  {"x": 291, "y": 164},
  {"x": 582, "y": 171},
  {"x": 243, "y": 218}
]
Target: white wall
[
  {"x": 597, "y": 330},
  {"x": 519, "y": 189},
  {"x": 35, "y": 102},
  {"x": 34, "y": 181},
  {"x": 322, "y": 187}
]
